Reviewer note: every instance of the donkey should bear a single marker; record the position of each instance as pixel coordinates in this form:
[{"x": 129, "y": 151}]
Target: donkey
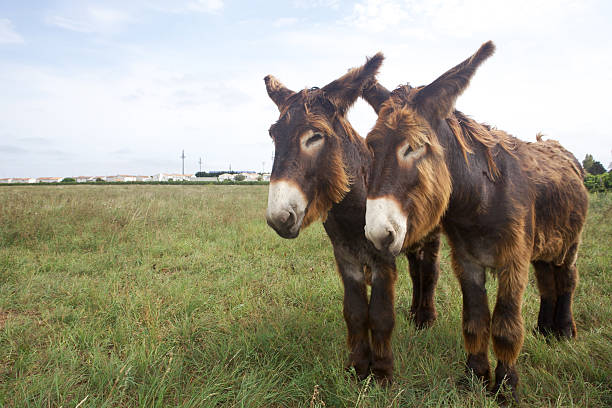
[
  {"x": 320, "y": 171},
  {"x": 502, "y": 203}
]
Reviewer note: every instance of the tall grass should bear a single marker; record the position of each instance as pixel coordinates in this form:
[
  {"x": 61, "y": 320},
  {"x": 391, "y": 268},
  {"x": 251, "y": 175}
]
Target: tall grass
[{"x": 114, "y": 296}]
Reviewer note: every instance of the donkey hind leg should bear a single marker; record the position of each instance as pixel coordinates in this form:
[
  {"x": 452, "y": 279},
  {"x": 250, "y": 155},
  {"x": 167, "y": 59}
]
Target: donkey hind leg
[
  {"x": 424, "y": 271},
  {"x": 507, "y": 325},
  {"x": 476, "y": 317},
  {"x": 545, "y": 277},
  {"x": 566, "y": 278},
  {"x": 356, "y": 316},
  {"x": 382, "y": 320}
]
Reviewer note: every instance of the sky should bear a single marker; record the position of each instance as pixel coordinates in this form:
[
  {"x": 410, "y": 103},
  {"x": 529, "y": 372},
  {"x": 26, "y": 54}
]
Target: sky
[{"x": 93, "y": 88}]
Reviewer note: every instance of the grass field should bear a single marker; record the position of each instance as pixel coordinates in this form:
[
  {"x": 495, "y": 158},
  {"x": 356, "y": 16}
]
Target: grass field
[{"x": 117, "y": 296}]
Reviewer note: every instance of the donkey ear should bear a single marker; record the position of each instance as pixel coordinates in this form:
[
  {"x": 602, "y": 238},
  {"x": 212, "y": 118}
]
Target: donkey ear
[
  {"x": 344, "y": 91},
  {"x": 277, "y": 91},
  {"x": 437, "y": 100},
  {"x": 375, "y": 94}
]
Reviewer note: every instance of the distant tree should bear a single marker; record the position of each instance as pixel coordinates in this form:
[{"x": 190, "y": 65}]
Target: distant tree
[
  {"x": 587, "y": 162},
  {"x": 201, "y": 174},
  {"x": 597, "y": 168},
  {"x": 240, "y": 177},
  {"x": 68, "y": 180},
  {"x": 99, "y": 180},
  {"x": 592, "y": 166}
]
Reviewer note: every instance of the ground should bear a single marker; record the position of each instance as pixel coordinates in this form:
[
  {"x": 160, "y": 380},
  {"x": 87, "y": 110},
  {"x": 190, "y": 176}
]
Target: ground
[{"x": 114, "y": 296}]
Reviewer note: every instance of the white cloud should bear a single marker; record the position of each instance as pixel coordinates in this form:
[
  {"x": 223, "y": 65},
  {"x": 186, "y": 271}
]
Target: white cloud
[
  {"x": 182, "y": 6},
  {"x": 206, "y": 6},
  {"x": 91, "y": 20},
  {"x": 460, "y": 18},
  {"x": 285, "y": 21},
  {"x": 8, "y": 35},
  {"x": 308, "y": 4}
]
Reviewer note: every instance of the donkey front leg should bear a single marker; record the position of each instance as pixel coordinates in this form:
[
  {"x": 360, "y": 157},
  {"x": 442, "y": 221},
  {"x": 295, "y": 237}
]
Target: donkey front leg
[
  {"x": 507, "y": 325},
  {"x": 424, "y": 271},
  {"x": 476, "y": 316},
  {"x": 356, "y": 315},
  {"x": 382, "y": 320}
]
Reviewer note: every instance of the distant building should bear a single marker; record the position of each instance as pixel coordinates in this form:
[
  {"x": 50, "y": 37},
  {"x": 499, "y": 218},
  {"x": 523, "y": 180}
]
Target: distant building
[
  {"x": 144, "y": 178},
  {"x": 82, "y": 179},
  {"x": 205, "y": 178},
  {"x": 29, "y": 180},
  {"x": 250, "y": 176},
  {"x": 50, "y": 179},
  {"x": 265, "y": 176},
  {"x": 173, "y": 177},
  {"x": 225, "y": 176},
  {"x": 6, "y": 180}
]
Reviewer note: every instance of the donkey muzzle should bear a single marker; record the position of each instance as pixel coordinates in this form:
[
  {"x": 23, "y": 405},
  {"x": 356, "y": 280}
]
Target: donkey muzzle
[
  {"x": 385, "y": 225},
  {"x": 286, "y": 208}
]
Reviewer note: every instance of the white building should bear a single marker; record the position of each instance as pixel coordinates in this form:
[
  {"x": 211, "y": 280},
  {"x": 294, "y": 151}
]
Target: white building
[
  {"x": 29, "y": 180},
  {"x": 250, "y": 176},
  {"x": 5, "y": 180},
  {"x": 49, "y": 179},
  {"x": 225, "y": 176},
  {"x": 173, "y": 177}
]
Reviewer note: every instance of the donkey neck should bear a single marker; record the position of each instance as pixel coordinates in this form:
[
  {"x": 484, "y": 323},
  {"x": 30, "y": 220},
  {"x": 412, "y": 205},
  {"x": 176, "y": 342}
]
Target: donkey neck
[
  {"x": 357, "y": 161},
  {"x": 472, "y": 185}
]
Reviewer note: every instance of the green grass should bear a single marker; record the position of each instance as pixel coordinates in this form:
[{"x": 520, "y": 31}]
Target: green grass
[{"x": 115, "y": 296}]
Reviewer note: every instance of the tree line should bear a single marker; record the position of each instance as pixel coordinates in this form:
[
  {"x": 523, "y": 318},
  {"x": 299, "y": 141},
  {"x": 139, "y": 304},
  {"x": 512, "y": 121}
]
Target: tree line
[{"x": 596, "y": 179}]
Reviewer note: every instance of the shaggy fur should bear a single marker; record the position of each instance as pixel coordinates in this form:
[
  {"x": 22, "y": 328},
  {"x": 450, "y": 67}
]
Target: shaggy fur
[
  {"x": 333, "y": 180},
  {"x": 502, "y": 202}
]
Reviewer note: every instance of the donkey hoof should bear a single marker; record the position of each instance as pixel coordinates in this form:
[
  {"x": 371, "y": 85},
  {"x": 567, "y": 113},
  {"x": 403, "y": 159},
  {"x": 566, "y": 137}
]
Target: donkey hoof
[
  {"x": 546, "y": 331},
  {"x": 425, "y": 318},
  {"x": 506, "y": 384},
  {"x": 383, "y": 379},
  {"x": 566, "y": 331},
  {"x": 359, "y": 370}
]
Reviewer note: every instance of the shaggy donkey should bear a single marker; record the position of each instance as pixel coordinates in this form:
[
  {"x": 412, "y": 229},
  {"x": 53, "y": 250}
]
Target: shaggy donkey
[
  {"x": 320, "y": 169},
  {"x": 502, "y": 203}
]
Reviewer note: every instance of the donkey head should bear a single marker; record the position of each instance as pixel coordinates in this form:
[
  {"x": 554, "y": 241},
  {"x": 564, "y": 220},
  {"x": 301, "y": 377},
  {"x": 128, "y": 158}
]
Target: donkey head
[
  {"x": 308, "y": 174},
  {"x": 410, "y": 185}
]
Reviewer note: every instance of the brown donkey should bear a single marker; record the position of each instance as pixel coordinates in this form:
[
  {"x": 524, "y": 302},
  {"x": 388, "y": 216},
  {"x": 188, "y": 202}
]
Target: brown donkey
[
  {"x": 319, "y": 172},
  {"x": 502, "y": 203}
]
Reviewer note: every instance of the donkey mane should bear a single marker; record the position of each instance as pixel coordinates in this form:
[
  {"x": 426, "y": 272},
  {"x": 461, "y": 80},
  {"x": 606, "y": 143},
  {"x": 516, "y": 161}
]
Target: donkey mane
[{"x": 466, "y": 131}]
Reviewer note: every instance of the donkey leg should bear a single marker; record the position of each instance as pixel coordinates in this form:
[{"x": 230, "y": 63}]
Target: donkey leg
[
  {"x": 414, "y": 264},
  {"x": 355, "y": 310},
  {"x": 382, "y": 320},
  {"x": 476, "y": 317},
  {"x": 429, "y": 271},
  {"x": 545, "y": 278},
  {"x": 507, "y": 325},
  {"x": 566, "y": 277}
]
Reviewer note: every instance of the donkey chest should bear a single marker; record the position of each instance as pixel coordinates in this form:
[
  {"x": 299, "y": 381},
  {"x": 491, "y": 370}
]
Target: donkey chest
[{"x": 475, "y": 243}]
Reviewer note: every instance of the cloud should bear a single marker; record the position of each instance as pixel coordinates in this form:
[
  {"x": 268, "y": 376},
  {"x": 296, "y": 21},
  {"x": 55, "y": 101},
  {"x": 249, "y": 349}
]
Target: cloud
[
  {"x": 309, "y": 4},
  {"x": 184, "y": 6},
  {"x": 91, "y": 20},
  {"x": 285, "y": 21},
  {"x": 8, "y": 35},
  {"x": 459, "y": 18},
  {"x": 206, "y": 6}
]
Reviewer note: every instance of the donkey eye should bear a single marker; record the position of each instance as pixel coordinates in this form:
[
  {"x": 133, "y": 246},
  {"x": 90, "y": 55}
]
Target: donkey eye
[
  {"x": 407, "y": 151},
  {"x": 314, "y": 138}
]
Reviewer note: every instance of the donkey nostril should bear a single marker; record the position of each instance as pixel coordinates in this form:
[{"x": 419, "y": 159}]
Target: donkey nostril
[
  {"x": 283, "y": 217},
  {"x": 389, "y": 239},
  {"x": 290, "y": 220}
]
